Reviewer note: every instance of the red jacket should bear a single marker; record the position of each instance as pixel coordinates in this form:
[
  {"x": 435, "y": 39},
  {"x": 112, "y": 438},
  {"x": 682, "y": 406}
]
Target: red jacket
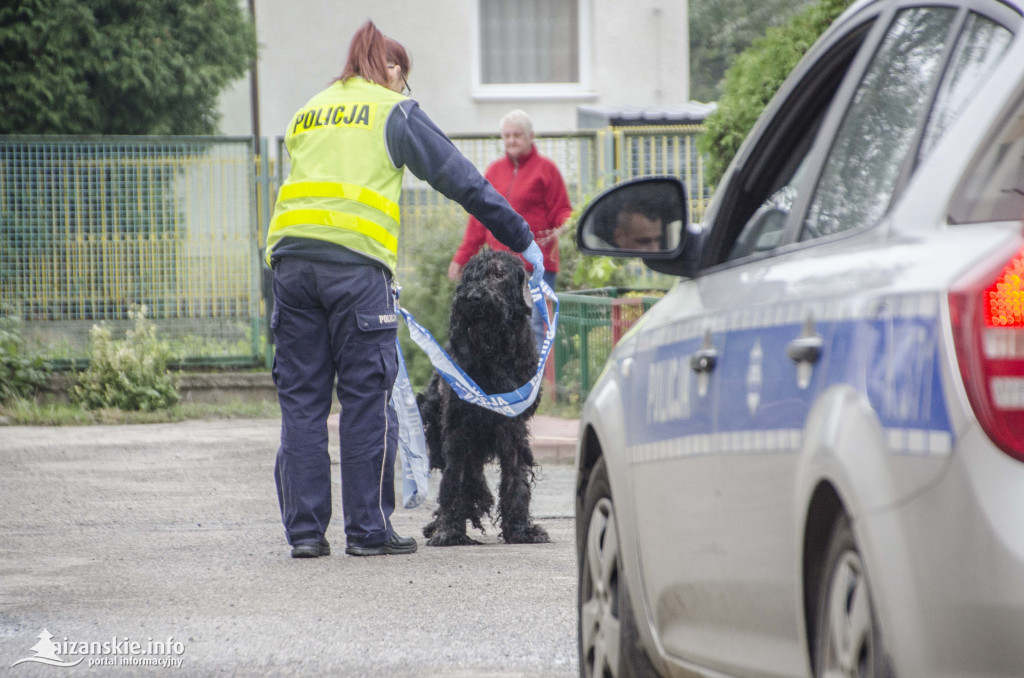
[{"x": 534, "y": 187}]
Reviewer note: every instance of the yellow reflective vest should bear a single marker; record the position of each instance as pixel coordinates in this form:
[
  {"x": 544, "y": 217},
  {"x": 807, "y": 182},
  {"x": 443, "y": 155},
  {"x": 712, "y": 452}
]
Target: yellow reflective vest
[{"x": 342, "y": 187}]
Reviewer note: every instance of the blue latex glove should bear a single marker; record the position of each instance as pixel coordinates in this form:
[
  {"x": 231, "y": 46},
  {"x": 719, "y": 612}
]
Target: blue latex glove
[{"x": 536, "y": 258}]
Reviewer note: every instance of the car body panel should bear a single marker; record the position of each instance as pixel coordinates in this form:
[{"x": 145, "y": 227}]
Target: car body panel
[
  {"x": 715, "y": 470},
  {"x": 874, "y": 420}
]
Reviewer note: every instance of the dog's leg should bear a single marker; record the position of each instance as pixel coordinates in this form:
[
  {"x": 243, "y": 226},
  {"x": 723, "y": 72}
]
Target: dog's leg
[
  {"x": 449, "y": 525},
  {"x": 429, "y": 403},
  {"x": 476, "y": 495},
  {"x": 514, "y": 497}
]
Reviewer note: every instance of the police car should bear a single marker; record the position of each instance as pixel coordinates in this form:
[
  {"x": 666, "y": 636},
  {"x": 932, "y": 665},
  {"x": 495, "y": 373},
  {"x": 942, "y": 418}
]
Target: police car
[{"x": 808, "y": 458}]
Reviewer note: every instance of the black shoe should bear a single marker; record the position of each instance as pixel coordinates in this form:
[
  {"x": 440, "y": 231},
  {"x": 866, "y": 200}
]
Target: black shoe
[
  {"x": 392, "y": 547},
  {"x": 311, "y": 549}
]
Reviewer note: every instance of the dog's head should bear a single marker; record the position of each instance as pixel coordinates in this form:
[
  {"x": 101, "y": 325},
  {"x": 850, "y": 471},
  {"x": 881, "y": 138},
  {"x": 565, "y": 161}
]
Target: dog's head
[{"x": 492, "y": 299}]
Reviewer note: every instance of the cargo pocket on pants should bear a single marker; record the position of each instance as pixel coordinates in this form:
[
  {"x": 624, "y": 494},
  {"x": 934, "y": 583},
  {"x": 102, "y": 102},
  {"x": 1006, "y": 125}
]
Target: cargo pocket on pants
[{"x": 380, "y": 328}]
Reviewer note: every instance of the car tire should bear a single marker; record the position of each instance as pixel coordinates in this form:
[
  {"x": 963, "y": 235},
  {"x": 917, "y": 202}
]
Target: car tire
[
  {"x": 609, "y": 643},
  {"x": 848, "y": 639}
]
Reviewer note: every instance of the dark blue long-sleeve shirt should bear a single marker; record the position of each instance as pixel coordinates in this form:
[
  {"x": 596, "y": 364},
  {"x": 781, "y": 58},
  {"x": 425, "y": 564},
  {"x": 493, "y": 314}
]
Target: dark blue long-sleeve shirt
[{"x": 414, "y": 141}]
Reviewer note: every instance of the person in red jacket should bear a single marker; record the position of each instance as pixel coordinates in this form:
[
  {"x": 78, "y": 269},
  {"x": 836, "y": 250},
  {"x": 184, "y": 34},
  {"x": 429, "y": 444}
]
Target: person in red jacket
[{"x": 534, "y": 187}]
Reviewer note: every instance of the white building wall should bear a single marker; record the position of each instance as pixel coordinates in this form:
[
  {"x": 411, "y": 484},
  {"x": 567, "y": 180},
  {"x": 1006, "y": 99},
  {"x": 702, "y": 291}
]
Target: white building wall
[{"x": 633, "y": 54}]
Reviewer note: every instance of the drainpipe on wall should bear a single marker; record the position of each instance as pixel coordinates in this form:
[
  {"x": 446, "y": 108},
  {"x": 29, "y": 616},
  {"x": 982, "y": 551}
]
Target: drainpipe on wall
[{"x": 254, "y": 86}]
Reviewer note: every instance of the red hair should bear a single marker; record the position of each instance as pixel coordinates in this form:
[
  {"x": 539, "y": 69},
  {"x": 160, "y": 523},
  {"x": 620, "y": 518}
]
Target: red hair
[{"x": 369, "y": 54}]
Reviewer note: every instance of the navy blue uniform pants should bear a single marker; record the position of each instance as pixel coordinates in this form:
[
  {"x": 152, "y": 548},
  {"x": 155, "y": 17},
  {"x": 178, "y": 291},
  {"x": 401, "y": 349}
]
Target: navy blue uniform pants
[{"x": 335, "y": 321}]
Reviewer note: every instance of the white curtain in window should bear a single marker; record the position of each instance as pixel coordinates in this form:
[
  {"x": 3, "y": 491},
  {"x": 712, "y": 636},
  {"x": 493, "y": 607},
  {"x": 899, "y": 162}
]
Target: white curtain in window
[{"x": 529, "y": 41}]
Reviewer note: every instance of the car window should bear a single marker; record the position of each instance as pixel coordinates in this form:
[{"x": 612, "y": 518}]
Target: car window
[
  {"x": 977, "y": 51},
  {"x": 994, "y": 189},
  {"x": 863, "y": 165},
  {"x": 764, "y": 230},
  {"x": 758, "y": 199}
]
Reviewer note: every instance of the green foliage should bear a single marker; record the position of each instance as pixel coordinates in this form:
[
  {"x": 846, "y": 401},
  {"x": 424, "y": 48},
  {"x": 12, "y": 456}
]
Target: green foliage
[
  {"x": 722, "y": 29},
  {"x": 597, "y": 272},
  {"x": 21, "y": 372},
  {"x": 753, "y": 79},
  {"x": 205, "y": 346},
  {"x": 116, "y": 67},
  {"x": 426, "y": 290},
  {"x": 28, "y": 413},
  {"x": 129, "y": 374}
]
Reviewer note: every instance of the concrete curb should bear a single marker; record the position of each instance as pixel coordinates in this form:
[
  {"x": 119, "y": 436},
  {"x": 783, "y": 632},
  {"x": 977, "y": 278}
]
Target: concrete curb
[
  {"x": 221, "y": 387},
  {"x": 197, "y": 387},
  {"x": 552, "y": 439}
]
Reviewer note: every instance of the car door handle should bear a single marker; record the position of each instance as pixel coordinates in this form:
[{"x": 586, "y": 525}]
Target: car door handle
[
  {"x": 704, "y": 360},
  {"x": 805, "y": 349}
]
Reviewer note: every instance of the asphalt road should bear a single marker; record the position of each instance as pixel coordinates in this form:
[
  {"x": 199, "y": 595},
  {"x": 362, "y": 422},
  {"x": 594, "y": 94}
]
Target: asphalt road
[{"x": 169, "y": 536}]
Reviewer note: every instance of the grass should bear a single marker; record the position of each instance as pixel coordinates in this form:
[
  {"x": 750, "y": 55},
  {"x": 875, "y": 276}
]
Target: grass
[
  {"x": 28, "y": 413},
  {"x": 562, "y": 409},
  {"x": 50, "y": 410}
]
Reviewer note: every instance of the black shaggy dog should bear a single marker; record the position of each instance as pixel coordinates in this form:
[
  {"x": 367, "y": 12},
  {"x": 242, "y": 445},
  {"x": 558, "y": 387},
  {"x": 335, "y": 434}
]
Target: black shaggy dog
[{"x": 490, "y": 338}]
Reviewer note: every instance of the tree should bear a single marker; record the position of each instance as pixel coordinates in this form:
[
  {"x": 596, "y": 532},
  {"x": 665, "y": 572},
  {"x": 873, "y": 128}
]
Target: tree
[
  {"x": 753, "y": 79},
  {"x": 119, "y": 66},
  {"x": 721, "y": 29}
]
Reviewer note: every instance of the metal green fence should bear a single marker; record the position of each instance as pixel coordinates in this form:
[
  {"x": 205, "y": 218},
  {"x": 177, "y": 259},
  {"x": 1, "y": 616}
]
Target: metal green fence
[
  {"x": 590, "y": 323},
  {"x": 92, "y": 227},
  {"x": 646, "y": 150},
  {"x": 589, "y": 162}
]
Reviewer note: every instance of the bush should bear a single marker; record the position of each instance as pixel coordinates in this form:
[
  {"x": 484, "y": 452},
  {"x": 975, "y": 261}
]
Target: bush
[
  {"x": 755, "y": 76},
  {"x": 130, "y": 374},
  {"x": 21, "y": 372}
]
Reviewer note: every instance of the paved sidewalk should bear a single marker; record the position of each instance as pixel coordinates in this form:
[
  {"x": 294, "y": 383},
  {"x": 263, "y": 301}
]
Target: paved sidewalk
[{"x": 553, "y": 439}]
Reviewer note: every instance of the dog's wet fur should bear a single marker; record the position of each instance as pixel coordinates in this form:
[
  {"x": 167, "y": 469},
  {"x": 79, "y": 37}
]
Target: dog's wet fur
[{"x": 491, "y": 339}]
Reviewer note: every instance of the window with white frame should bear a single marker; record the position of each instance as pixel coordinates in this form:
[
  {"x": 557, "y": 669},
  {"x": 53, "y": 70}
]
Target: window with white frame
[{"x": 529, "y": 42}]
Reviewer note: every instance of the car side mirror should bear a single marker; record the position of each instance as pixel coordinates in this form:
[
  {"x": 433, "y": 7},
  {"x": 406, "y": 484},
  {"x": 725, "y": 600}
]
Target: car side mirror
[{"x": 644, "y": 218}]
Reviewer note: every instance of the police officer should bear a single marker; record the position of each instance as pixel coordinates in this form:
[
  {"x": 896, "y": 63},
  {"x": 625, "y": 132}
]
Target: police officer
[{"x": 333, "y": 246}]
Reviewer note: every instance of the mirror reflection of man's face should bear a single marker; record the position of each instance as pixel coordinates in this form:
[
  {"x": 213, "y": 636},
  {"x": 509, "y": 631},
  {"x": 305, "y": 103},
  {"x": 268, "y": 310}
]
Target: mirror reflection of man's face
[{"x": 634, "y": 231}]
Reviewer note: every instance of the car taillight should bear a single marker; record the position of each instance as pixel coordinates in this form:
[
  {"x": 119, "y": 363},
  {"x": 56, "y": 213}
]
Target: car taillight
[{"x": 987, "y": 314}]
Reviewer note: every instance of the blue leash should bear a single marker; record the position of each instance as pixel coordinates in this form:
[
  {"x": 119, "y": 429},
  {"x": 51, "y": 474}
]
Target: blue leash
[
  {"x": 411, "y": 442},
  {"x": 512, "y": 403}
]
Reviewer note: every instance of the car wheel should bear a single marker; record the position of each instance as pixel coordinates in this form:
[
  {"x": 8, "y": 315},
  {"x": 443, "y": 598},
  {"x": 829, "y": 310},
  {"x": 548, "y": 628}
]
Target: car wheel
[
  {"x": 608, "y": 640},
  {"x": 848, "y": 640}
]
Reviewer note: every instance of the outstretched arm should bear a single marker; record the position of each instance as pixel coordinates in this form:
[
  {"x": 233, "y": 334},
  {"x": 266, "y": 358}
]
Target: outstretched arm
[{"x": 414, "y": 141}]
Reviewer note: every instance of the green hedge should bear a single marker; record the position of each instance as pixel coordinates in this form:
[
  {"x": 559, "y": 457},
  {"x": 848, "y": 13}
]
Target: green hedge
[{"x": 753, "y": 79}]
